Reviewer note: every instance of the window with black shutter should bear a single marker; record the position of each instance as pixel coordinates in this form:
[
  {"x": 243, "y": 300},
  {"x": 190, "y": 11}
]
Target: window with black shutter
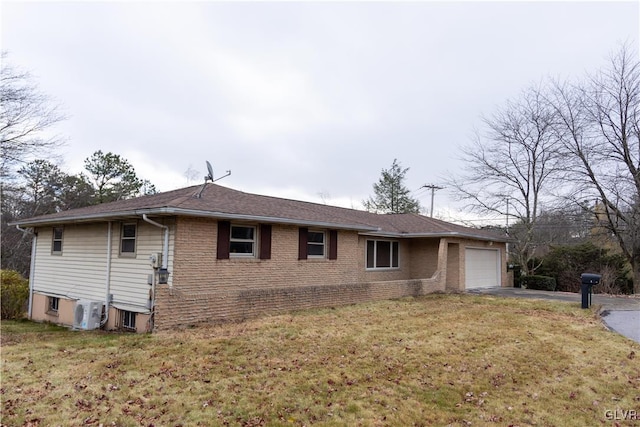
[
  {"x": 224, "y": 230},
  {"x": 303, "y": 235},
  {"x": 265, "y": 241},
  {"x": 333, "y": 244}
]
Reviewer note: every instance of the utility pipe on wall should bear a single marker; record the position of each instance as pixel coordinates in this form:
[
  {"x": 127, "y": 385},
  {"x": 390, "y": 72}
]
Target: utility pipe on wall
[
  {"x": 165, "y": 258},
  {"x": 34, "y": 242},
  {"x": 108, "y": 278},
  {"x": 165, "y": 245}
]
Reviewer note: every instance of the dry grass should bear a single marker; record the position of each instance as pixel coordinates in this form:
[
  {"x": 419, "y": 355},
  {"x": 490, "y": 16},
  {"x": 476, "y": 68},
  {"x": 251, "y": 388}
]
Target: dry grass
[{"x": 436, "y": 360}]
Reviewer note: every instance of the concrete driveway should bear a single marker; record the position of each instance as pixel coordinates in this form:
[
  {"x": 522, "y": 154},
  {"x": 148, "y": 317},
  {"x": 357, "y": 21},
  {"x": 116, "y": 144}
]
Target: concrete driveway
[{"x": 620, "y": 314}]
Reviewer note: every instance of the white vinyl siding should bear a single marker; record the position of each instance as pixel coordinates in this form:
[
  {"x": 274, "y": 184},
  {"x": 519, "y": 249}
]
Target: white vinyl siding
[
  {"x": 81, "y": 270},
  {"x": 129, "y": 274}
]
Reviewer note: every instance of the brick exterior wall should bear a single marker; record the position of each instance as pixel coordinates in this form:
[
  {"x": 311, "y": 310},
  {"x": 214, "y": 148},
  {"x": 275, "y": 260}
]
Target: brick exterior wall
[
  {"x": 424, "y": 257},
  {"x": 453, "y": 272},
  {"x": 205, "y": 289}
]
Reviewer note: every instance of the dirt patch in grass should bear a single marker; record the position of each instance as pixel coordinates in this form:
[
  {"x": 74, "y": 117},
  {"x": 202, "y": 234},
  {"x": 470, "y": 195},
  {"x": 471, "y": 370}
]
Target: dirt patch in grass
[{"x": 435, "y": 360}]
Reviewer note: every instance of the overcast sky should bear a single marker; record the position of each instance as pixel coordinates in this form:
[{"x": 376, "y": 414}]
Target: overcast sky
[{"x": 304, "y": 100}]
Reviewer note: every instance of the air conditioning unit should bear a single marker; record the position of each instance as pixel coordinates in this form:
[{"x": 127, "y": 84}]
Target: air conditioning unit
[{"x": 87, "y": 314}]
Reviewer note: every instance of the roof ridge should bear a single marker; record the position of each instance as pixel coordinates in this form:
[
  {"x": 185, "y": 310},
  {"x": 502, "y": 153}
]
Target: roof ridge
[{"x": 293, "y": 200}]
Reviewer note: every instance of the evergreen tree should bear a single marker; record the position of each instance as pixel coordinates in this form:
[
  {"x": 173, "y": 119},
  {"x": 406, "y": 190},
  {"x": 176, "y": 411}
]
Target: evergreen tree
[
  {"x": 391, "y": 195},
  {"x": 113, "y": 177}
]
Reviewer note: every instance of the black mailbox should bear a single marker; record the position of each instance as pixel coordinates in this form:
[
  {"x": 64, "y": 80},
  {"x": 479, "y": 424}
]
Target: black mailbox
[{"x": 588, "y": 281}]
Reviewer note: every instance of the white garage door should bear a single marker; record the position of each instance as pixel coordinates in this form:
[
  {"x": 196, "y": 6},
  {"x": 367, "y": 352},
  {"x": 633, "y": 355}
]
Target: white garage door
[{"x": 482, "y": 268}]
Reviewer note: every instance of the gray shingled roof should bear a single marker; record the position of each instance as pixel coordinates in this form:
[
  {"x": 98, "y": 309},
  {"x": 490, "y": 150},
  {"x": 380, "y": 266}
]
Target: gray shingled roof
[{"x": 221, "y": 202}]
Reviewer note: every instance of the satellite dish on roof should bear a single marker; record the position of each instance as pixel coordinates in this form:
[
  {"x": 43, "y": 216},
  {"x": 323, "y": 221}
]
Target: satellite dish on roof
[
  {"x": 210, "y": 169},
  {"x": 209, "y": 177}
]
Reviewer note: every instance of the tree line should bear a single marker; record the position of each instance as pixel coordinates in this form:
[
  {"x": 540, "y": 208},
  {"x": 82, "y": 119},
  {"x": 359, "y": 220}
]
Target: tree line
[
  {"x": 40, "y": 187},
  {"x": 562, "y": 159},
  {"x": 33, "y": 183},
  {"x": 563, "y": 145}
]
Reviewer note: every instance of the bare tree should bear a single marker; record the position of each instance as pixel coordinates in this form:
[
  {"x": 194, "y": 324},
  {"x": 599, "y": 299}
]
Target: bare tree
[
  {"x": 191, "y": 174},
  {"x": 510, "y": 167},
  {"x": 26, "y": 116},
  {"x": 599, "y": 126}
]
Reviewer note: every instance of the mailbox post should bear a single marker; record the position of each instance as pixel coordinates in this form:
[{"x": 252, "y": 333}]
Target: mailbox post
[{"x": 588, "y": 281}]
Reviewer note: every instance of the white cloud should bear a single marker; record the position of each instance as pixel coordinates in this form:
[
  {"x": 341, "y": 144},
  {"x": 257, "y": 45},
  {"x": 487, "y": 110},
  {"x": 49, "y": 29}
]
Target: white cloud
[{"x": 298, "y": 98}]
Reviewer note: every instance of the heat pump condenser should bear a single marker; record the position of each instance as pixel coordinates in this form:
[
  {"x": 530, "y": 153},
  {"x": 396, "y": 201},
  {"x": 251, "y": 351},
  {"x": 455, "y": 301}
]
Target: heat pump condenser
[{"x": 87, "y": 315}]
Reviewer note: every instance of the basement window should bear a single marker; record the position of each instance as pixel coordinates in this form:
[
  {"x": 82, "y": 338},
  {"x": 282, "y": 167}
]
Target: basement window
[
  {"x": 53, "y": 305},
  {"x": 128, "y": 320}
]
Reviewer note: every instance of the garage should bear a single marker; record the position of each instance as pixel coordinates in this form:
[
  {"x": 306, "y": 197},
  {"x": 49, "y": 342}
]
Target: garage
[{"x": 482, "y": 268}]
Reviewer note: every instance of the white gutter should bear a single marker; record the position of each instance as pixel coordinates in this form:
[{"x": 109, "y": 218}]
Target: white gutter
[
  {"x": 193, "y": 212},
  {"x": 458, "y": 234},
  {"x": 107, "y": 278},
  {"x": 32, "y": 267},
  {"x": 165, "y": 245}
]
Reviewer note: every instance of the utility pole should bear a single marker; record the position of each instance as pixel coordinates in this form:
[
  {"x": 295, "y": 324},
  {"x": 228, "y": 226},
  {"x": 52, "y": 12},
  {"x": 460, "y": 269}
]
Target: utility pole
[
  {"x": 507, "y": 243},
  {"x": 507, "y": 215},
  {"x": 433, "y": 189}
]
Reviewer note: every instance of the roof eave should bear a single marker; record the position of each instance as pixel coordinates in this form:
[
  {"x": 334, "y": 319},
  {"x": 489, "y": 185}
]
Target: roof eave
[
  {"x": 437, "y": 235},
  {"x": 166, "y": 211}
]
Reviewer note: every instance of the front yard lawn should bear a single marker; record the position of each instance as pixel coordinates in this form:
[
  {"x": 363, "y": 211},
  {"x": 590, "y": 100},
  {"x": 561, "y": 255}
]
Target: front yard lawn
[{"x": 436, "y": 360}]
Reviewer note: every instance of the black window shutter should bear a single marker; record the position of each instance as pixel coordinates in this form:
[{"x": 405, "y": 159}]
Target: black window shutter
[
  {"x": 224, "y": 234},
  {"x": 265, "y": 241},
  {"x": 333, "y": 244},
  {"x": 302, "y": 243}
]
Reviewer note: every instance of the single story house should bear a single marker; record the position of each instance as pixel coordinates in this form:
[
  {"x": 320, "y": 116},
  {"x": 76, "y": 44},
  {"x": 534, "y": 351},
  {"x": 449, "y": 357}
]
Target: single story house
[{"x": 211, "y": 254}]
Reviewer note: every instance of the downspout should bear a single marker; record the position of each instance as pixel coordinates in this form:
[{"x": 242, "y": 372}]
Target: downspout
[
  {"x": 32, "y": 266},
  {"x": 107, "y": 278},
  {"x": 165, "y": 262},
  {"x": 165, "y": 245}
]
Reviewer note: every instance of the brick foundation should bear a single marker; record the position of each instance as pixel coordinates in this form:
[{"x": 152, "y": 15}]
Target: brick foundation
[{"x": 175, "y": 308}]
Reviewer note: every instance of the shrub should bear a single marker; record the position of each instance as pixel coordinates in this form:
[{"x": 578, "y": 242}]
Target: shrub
[
  {"x": 567, "y": 263},
  {"x": 539, "y": 283},
  {"x": 14, "y": 294}
]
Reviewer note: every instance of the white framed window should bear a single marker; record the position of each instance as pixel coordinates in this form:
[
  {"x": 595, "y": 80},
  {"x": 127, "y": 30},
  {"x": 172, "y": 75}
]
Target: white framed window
[
  {"x": 128, "y": 236},
  {"x": 128, "y": 319},
  {"x": 53, "y": 305},
  {"x": 316, "y": 247},
  {"x": 382, "y": 254},
  {"x": 56, "y": 243},
  {"x": 242, "y": 241}
]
